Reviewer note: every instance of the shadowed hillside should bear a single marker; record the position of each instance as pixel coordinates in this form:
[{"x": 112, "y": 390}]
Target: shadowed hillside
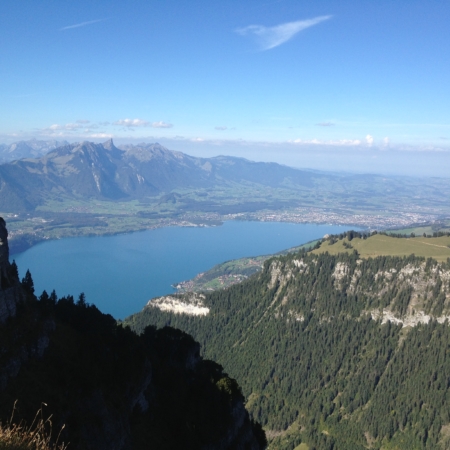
[{"x": 104, "y": 386}]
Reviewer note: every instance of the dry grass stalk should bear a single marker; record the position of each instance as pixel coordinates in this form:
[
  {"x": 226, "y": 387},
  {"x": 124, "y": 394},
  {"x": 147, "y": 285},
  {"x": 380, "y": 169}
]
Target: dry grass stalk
[{"x": 36, "y": 436}]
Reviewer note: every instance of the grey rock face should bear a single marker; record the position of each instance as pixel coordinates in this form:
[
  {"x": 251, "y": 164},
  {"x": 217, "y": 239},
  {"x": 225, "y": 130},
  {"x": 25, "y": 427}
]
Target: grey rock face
[
  {"x": 4, "y": 249},
  {"x": 11, "y": 365},
  {"x": 8, "y": 302},
  {"x": 10, "y": 292}
]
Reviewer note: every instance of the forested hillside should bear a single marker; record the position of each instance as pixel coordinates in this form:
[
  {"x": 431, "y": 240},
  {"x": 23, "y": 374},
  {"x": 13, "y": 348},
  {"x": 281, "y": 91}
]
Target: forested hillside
[{"x": 333, "y": 351}]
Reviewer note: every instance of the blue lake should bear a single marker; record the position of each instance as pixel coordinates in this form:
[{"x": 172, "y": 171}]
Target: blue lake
[{"x": 120, "y": 273}]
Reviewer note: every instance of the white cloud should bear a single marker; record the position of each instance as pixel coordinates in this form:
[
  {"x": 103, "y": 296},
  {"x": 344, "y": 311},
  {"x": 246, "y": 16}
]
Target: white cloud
[
  {"x": 80, "y": 127},
  {"x": 336, "y": 142},
  {"x": 325, "y": 124},
  {"x": 386, "y": 141},
  {"x": 82, "y": 24},
  {"x": 132, "y": 123},
  {"x": 161, "y": 124},
  {"x": 220, "y": 128},
  {"x": 271, "y": 37},
  {"x": 73, "y": 126},
  {"x": 369, "y": 140},
  {"x": 67, "y": 126},
  {"x": 100, "y": 136}
]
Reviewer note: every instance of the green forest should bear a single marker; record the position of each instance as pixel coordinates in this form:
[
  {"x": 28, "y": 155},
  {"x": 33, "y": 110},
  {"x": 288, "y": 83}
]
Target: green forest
[{"x": 318, "y": 344}]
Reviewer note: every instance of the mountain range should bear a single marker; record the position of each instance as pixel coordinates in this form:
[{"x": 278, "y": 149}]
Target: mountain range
[
  {"x": 102, "y": 171},
  {"x": 32, "y": 148},
  {"x": 144, "y": 172}
]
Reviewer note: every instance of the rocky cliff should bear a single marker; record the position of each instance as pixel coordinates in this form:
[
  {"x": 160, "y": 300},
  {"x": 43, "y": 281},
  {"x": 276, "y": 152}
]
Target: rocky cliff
[
  {"x": 10, "y": 292},
  {"x": 18, "y": 343}
]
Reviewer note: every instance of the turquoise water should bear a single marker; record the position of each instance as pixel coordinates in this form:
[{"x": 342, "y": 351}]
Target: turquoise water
[{"x": 120, "y": 273}]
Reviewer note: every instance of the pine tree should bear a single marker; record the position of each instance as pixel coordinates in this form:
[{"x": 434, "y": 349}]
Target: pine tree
[{"x": 27, "y": 282}]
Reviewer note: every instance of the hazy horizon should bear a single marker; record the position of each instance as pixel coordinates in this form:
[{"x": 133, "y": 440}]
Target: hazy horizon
[{"x": 399, "y": 162}]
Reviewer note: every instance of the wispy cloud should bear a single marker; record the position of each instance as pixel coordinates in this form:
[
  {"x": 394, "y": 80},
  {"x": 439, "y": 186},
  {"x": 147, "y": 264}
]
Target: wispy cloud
[
  {"x": 325, "y": 124},
  {"x": 220, "y": 128},
  {"x": 331, "y": 143},
  {"x": 271, "y": 37},
  {"x": 81, "y": 127},
  {"x": 67, "y": 127},
  {"x": 132, "y": 123},
  {"x": 161, "y": 124},
  {"x": 101, "y": 135},
  {"x": 82, "y": 24},
  {"x": 369, "y": 140}
]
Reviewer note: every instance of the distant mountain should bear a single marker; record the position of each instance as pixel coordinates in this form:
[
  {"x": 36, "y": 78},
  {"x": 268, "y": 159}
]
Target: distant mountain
[
  {"x": 103, "y": 171},
  {"x": 86, "y": 171},
  {"x": 32, "y": 148}
]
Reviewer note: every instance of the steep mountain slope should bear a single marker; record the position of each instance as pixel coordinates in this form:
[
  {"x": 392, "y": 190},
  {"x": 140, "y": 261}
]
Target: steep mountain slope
[
  {"x": 334, "y": 351},
  {"x": 102, "y": 171},
  {"x": 105, "y": 387},
  {"x": 86, "y": 170}
]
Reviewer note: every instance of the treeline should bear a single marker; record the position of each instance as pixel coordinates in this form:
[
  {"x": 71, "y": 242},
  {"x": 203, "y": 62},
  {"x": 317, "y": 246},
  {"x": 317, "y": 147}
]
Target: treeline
[
  {"x": 351, "y": 234},
  {"x": 425, "y": 235},
  {"x": 315, "y": 366}
]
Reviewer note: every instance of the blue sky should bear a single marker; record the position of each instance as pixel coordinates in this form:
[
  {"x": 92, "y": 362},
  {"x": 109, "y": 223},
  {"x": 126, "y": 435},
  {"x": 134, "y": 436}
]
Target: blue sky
[{"x": 345, "y": 85}]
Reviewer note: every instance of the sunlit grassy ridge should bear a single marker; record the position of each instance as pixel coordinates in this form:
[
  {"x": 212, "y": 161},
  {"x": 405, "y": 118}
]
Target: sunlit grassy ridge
[{"x": 382, "y": 245}]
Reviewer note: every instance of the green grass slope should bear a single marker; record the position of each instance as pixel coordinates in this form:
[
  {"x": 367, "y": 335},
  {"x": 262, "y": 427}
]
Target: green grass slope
[{"x": 437, "y": 248}]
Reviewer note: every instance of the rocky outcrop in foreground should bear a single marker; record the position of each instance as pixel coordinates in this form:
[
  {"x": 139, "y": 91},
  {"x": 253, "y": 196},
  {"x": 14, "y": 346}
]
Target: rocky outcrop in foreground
[{"x": 10, "y": 292}]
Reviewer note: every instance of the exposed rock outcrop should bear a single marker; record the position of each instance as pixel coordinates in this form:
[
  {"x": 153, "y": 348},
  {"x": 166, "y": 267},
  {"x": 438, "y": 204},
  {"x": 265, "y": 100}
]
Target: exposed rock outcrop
[
  {"x": 10, "y": 291},
  {"x": 191, "y": 304},
  {"x": 18, "y": 343},
  {"x": 4, "y": 250}
]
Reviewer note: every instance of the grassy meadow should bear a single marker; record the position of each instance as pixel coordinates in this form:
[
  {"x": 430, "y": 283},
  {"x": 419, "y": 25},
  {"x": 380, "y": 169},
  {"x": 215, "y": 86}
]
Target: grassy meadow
[{"x": 377, "y": 245}]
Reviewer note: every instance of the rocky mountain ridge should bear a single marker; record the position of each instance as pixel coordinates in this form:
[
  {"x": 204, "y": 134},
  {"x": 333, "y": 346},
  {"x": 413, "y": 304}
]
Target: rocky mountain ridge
[{"x": 427, "y": 284}]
